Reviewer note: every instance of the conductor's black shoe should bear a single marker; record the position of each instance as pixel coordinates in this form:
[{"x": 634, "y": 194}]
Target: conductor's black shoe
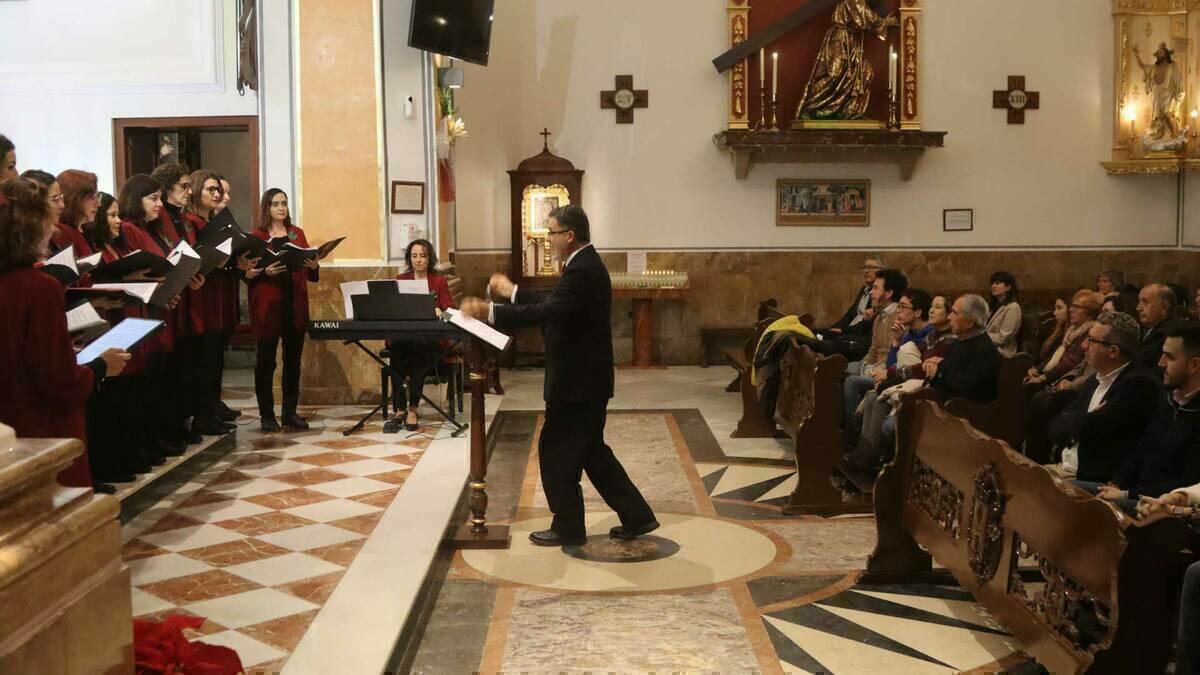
[
  {"x": 552, "y": 538},
  {"x": 293, "y": 421},
  {"x": 626, "y": 534},
  {"x": 269, "y": 425}
]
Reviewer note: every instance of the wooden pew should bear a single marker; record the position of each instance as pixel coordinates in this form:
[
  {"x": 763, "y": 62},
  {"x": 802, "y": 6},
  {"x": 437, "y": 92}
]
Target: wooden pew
[
  {"x": 740, "y": 359},
  {"x": 809, "y": 407},
  {"x": 993, "y": 518},
  {"x": 1003, "y": 417},
  {"x": 754, "y": 423}
]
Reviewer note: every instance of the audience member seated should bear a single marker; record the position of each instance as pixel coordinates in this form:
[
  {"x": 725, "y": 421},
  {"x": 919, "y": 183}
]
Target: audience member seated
[
  {"x": 1110, "y": 283},
  {"x": 1168, "y": 456},
  {"x": 1183, "y": 503},
  {"x": 889, "y": 285},
  {"x": 1108, "y": 417},
  {"x": 851, "y": 335},
  {"x": 1051, "y": 386},
  {"x": 1155, "y": 308},
  {"x": 8, "y": 159},
  {"x": 931, "y": 337},
  {"x": 1004, "y": 324},
  {"x": 1194, "y": 311}
]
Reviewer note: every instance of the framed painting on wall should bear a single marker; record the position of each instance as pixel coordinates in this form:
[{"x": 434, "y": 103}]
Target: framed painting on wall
[{"x": 823, "y": 202}]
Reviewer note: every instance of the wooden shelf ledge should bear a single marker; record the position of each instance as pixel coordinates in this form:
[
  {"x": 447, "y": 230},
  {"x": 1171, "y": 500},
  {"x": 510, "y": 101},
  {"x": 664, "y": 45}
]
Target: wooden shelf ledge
[
  {"x": 1150, "y": 167},
  {"x": 904, "y": 147}
]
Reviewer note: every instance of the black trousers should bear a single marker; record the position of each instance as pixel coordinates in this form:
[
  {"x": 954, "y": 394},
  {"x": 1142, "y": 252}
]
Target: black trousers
[
  {"x": 1041, "y": 409},
  {"x": 414, "y": 360},
  {"x": 170, "y": 393},
  {"x": 264, "y": 372},
  {"x": 207, "y": 365},
  {"x": 571, "y": 444}
]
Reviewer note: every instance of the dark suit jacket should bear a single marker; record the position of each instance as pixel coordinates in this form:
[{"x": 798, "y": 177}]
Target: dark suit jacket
[
  {"x": 1150, "y": 348},
  {"x": 969, "y": 370},
  {"x": 1108, "y": 433},
  {"x": 1168, "y": 457},
  {"x": 576, "y": 320},
  {"x": 862, "y": 327}
]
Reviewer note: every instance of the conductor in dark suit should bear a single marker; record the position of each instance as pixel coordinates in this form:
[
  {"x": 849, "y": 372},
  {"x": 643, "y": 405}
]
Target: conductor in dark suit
[{"x": 577, "y": 329}]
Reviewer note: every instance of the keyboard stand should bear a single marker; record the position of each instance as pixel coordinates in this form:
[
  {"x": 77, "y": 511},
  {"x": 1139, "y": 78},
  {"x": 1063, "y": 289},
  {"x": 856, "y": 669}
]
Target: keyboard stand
[{"x": 459, "y": 428}]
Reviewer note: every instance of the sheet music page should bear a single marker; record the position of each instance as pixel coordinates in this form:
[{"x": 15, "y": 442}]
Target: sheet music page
[
  {"x": 479, "y": 329},
  {"x": 142, "y": 291},
  {"x": 350, "y": 288},
  {"x": 122, "y": 336},
  {"x": 413, "y": 286},
  {"x": 83, "y": 316},
  {"x": 66, "y": 258},
  {"x": 182, "y": 249},
  {"x": 92, "y": 260},
  {"x": 226, "y": 247}
]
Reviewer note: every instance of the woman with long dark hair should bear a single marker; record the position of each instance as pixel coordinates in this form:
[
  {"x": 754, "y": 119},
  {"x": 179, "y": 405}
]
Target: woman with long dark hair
[
  {"x": 1004, "y": 325},
  {"x": 44, "y": 392},
  {"x": 279, "y": 312},
  {"x": 415, "y": 358},
  {"x": 55, "y": 202}
]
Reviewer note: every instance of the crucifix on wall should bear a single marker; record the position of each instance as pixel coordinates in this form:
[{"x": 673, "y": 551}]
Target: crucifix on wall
[
  {"x": 624, "y": 99},
  {"x": 1016, "y": 99}
]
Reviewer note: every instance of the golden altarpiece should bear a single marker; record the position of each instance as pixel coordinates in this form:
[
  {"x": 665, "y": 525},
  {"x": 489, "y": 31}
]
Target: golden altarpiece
[
  {"x": 1156, "y": 87},
  {"x": 539, "y": 185},
  {"x": 830, "y": 81}
]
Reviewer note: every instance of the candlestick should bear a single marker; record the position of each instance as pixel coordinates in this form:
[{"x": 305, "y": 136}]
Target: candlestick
[
  {"x": 762, "y": 67},
  {"x": 774, "y": 76}
]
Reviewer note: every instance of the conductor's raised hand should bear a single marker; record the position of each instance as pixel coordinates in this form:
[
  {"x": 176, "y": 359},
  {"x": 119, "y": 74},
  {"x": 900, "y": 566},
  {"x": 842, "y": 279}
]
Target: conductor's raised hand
[
  {"x": 476, "y": 308},
  {"x": 114, "y": 361},
  {"x": 501, "y": 286}
]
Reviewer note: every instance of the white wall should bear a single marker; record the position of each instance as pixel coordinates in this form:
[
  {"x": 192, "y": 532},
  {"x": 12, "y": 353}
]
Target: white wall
[
  {"x": 660, "y": 183},
  {"x": 228, "y": 153},
  {"x": 407, "y": 146},
  {"x": 68, "y": 67}
]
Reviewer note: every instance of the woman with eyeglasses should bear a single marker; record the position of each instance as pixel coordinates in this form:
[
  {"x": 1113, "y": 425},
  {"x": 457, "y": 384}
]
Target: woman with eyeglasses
[
  {"x": 55, "y": 202},
  {"x": 279, "y": 312},
  {"x": 415, "y": 358},
  {"x": 1065, "y": 349},
  {"x": 79, "y": 209}
]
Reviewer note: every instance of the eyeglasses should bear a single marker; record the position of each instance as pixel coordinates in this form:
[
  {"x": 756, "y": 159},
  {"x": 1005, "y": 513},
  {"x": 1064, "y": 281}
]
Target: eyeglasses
[
  {"x": 904, "y": 306},
  {"x": 1077, "y": 306},
  {"x": 871, "y": 268},
  {"x": 183, "y": 185},
  {"x": 213, "y": 190},
  {"x": 58, "y": 199},
  {"x": 1106, "y": 343},
  {"x": 554, "y": 232}
]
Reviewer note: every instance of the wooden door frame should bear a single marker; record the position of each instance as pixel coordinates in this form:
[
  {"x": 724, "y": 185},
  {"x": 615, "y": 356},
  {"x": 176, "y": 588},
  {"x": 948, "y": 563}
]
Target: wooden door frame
[{"x": 120, "y": 124}]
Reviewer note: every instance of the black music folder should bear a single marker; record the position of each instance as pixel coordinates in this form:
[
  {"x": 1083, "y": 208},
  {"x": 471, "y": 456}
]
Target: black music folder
[
  {"x": 137, "y": 260},
  {"x": 176, "y": 280},
  {"x": 294, "y": 256}
]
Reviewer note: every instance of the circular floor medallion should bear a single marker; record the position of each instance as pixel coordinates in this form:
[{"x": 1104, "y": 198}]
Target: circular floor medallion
[{"x": 601, "y": 548}]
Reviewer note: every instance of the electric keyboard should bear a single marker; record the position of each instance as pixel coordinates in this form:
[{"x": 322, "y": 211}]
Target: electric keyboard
[{"x": 353, "y": 329}]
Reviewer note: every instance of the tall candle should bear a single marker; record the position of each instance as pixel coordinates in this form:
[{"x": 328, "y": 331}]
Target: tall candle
[
  {"x": 762, "y": 67},
  {"x": 892, "y": 68},
  {"x": 774, "y": 76}
]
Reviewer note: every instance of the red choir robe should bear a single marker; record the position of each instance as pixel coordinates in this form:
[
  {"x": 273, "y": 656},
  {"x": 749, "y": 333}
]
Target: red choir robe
[
  {"x": 133, "y": 309},
  {"x": 43, "y": 393},
  {"x": 210, "y": 308},
  {"x": 65, "y": 235},
  {"x": 266, "y": 294}
]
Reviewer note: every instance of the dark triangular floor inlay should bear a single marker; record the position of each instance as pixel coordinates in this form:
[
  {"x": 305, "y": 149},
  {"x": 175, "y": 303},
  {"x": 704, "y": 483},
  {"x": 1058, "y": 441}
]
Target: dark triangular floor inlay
[
  {"x": 753, "y": 492},
  {"x": 770, "y": 590},
  {"x": 923, "y": 590},
  {"x": 711, "y": 480},
  {"x": 817, "y": 618},
  {"x": 866, "y": 603},
  {"x": 791, "y": 653}
]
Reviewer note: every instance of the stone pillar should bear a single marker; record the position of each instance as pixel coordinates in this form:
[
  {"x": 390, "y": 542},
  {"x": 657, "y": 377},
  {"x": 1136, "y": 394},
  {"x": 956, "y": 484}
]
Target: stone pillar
[{"x": 63, "y": 587}]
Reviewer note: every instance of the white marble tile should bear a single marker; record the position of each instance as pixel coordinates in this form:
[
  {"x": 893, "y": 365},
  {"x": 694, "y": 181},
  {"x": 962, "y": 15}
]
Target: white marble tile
[
  {"x": 953, "y": 609},
  {"x": 367, "y": 467},
  {"x": 283, "y": 569},
  {"x": 352, "y": 487},
  {"x": 223, "y": 510},
  {"x": 268, "y": 469},
  {"x": 145, "y": 571},
  {"x": 309, "y": 537},
  {"x": 251, "y": 652},
  {"x": 145, "y": 603},
  {"x": 187, "y": 538},
  {"x": 843, "y": 655},
  {"x": 252, "y": 488},
  {"x": 244, "y": 609},
  {"x": 332, "y": 509}
]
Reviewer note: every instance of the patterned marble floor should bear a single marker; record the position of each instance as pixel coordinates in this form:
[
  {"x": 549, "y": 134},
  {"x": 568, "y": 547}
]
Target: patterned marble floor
[{"x": 726, "y": 585}]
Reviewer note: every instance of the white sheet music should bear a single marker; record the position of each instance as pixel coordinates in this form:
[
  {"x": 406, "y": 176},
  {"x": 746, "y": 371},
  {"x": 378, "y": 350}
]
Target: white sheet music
[
  {"x": 142, "y": 291},
  {"x": 413, "y": 286},
  {"x": 226, "y": 246},
  {"x": 91, "y": 260},
  {"x": 479, "y": 329},
  {"x": 66, "y": 258},
  {"x": 122, "y": 336},
  {"x": 82, "y": 317},
  {"x": 350, "y": 288},
  {"x": 181, "y": 249}
]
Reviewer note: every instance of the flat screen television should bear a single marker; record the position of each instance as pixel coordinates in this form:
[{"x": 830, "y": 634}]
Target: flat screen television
[{"x": 460, "y": 29}]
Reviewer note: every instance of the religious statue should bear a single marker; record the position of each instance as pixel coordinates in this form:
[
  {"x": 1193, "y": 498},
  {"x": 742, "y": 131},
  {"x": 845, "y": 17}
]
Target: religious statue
[
  {"x": 1164, "y": 84},
  {"x": 840, "y": 85}
]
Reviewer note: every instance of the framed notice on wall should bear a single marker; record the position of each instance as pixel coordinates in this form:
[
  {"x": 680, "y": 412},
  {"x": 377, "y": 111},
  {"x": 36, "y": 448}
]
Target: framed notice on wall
[
  {"x": 408, "y": 197},
  {"x": 958, "y": 220}
]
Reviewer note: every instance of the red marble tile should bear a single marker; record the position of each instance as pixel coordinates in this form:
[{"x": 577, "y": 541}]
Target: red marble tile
[
  {"x": 330, "y": 458},
  {"x": 258, "y": 458},
  {"x": 286, "y": 499},
  {"x": 315, "y": 590},
  {"x": 406, "y": 460},
  {"x": 231, "y": 476},
  {"x": 264, "y": 523},
  {"x": 339, "y": 554},
  {"x": 202, "y": 586},
  {"x": 310, "y": 477},
  {"x": 382, "y": 499},
  {"x": 364, "y": 524},
  {"x": 284, "y": 632},
  {"x": 346, "y": 443},
  {"x": 271, "y": 442},
  {"x": 397, "y": 477},
  {"x": 269, "y": 668},
  {"x": 207, "y": 628},
  {"x": 420, "y": 443},
  {"x": 235, "y": 552},
  {"x": 172, "y": 521},
  {"x": 136, "y": 548}
]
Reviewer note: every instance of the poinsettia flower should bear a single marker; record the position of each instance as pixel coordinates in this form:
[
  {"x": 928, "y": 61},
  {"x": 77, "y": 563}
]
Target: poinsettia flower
[{"x": 160, "y": 647}]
